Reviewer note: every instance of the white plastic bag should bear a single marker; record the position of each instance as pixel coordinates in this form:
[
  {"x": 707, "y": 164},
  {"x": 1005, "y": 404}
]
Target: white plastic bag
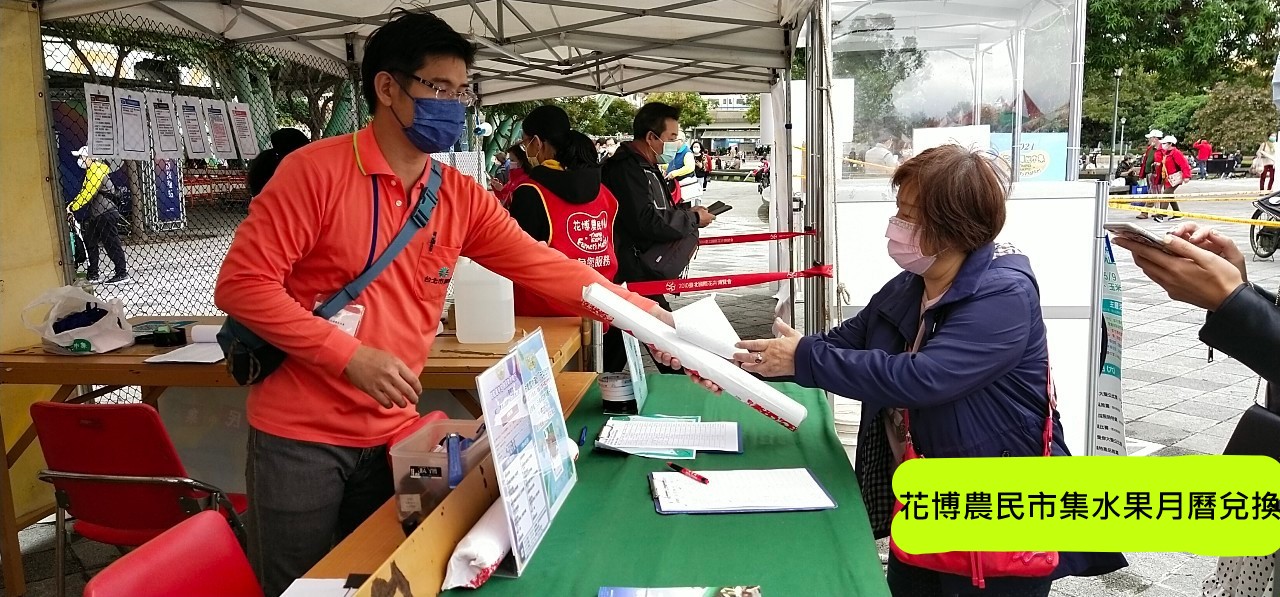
[{"x": 107, "y": 334}]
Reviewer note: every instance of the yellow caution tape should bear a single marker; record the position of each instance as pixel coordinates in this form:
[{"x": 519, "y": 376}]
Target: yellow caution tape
[{"x": 1230, "y": 220}]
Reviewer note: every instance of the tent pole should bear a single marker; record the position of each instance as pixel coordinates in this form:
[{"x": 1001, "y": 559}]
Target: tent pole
[
  {"x": 1019, "y": 103},
  {"x": 1076, "y": 96},
  {"x": 977, "y": 83},
  {"x": 819, "y": 206}
]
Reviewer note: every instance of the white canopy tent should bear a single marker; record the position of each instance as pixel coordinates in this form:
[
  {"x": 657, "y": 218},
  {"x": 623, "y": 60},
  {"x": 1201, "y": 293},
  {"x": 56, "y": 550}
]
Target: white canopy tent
[
  {"x": 528, "y": 49},
  {"x": 538, "y": 49}
]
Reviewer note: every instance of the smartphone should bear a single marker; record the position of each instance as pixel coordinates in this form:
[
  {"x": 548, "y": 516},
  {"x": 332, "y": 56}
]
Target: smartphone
[
  {"x": 1135, "y": 232},
  {"x": 718, "y": 208}
]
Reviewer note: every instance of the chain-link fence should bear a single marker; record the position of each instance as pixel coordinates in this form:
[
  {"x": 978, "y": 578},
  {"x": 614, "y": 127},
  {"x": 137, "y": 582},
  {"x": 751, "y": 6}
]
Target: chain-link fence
[{"x": 175, "y": 122}]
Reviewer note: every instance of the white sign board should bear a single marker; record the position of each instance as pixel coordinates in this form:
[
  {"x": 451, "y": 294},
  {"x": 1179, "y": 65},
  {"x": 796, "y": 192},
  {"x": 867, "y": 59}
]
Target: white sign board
[
  {"x": 1108, "y": 432},
  {"x": 975, "y": 137},
  {"x": 164, "y": 126},
  {"x": 191, "y": 118},
  {"x": 527, "y": 434},
  {"x": 99, "y": 106},
  {"x": 215, "y": 112},
  {"x": 133, "y": 140},
  {"x": 242, "y": 125}
]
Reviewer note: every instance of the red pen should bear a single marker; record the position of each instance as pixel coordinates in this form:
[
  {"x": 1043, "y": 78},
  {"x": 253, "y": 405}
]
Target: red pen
[{"x": 688, "y": 473}]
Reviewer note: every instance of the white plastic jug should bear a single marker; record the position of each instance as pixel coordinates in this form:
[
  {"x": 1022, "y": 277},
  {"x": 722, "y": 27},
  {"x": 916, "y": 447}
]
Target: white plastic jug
[{"x": 484, "y": 304}]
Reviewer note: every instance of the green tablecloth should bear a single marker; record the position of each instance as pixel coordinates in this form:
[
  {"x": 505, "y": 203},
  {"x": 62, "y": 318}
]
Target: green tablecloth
[{"x": 608, "y": 534}]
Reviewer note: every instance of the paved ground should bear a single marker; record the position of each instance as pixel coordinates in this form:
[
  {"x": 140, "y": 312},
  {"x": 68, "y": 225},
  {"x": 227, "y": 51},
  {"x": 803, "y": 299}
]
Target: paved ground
[{"x": 1175, "y": 401}]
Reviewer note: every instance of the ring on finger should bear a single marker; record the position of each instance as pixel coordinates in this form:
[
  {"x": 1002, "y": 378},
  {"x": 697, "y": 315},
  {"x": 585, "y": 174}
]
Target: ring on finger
[{"x": 759, "y": 357}]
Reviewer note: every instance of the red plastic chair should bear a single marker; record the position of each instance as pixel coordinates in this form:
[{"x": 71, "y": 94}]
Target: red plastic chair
[
  {"x": 114, "y": 468},
  {"x": 199, "y": 557}
]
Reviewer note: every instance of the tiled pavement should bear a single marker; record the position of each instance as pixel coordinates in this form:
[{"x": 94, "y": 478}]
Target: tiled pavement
[{"x": 1175, "y": 401}]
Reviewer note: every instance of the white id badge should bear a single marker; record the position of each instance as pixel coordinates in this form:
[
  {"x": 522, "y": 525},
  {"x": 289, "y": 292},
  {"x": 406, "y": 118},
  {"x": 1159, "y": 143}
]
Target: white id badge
[{"x": 348, "y": 319}]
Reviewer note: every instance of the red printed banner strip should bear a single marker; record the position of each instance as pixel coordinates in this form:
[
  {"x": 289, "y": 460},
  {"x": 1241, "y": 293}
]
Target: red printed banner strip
[
  {"x": 752, "y": 238},
  {"x": 722, "y": 282}
]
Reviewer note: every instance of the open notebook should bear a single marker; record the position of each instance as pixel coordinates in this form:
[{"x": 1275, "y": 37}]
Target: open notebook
[
  {"x": 766, "y": 490},
  {"x": 203, "y": 348}
]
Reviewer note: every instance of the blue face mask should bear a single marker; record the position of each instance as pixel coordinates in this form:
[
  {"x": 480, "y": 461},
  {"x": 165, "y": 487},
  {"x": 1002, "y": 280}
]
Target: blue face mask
[{"x": 437, "y": 124}]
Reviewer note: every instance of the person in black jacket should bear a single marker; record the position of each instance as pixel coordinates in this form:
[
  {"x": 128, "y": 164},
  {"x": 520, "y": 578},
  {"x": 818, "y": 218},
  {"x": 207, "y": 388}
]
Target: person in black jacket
[
  {"x": 283, "y": 142},
  {"x": 646, "y": 214},
  {"x": 1208, "y": 271}
]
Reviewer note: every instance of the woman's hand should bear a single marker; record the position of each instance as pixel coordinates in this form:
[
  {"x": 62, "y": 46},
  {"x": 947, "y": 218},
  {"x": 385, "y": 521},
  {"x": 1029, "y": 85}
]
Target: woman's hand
[
  {"x": 771, "y": 358},
  {"x": 1190, "y": 274},
  {"x": 1214, "y": 242}
]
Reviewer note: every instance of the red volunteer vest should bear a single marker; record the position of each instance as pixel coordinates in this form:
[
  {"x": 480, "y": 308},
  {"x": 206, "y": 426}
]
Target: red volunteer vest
[{"x": 583, "y": 232}]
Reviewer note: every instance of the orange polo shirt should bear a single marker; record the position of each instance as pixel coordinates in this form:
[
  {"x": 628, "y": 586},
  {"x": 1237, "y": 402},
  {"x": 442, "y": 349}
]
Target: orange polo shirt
[{"x": 313, "y": 229}]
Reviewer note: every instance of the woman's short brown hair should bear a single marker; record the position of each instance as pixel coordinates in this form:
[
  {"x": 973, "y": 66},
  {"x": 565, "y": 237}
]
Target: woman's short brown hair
[{"x": 960, "y": 196}]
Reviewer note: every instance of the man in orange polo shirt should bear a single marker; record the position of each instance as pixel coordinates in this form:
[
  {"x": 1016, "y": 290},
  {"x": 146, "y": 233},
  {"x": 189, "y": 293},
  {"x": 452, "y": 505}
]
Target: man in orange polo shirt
[{"x": 317, "y": 463}]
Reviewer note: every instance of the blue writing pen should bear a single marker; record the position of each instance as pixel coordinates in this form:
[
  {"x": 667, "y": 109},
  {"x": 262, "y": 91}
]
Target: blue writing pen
[{"x": 582, "y": 436}]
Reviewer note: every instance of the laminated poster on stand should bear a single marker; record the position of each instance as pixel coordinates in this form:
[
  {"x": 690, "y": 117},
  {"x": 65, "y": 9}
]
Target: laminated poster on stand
[{"x": 527, "y": 434}]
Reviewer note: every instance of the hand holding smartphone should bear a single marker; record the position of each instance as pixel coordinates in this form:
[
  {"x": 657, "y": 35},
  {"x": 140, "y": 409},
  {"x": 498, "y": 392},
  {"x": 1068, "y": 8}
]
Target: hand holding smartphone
[
  {"x": 1137, "y": 233},
  {"x": 718, "y": 208}
]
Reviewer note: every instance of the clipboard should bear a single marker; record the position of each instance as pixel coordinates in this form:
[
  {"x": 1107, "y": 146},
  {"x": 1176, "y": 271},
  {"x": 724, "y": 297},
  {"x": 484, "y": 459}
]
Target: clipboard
[{"x": 740, "y": 492}]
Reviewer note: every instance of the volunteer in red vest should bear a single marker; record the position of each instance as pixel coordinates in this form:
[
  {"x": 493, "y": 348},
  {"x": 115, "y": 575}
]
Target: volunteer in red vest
[{"x": 564, "y": 205}]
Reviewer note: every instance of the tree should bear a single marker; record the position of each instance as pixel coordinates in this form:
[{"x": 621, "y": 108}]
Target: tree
[
  {"x": 1237, "y": 116},
  {"x": 617, "y": 118},
  {"x": 1173, "y": 115},
  {"x": 1188, "y": 44},
  {"x": 876, "y": 73},
  {"x": 694, "y": 109},
  {"x": 753, "y": 109}
]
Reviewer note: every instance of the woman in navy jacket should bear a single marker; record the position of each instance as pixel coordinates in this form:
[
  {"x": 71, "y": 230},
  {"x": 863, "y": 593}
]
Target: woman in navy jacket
[{"x": 976, "y": 386}]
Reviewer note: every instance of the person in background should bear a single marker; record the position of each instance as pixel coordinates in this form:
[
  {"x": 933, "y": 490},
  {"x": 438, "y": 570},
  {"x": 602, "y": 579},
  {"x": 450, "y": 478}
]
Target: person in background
[
  {"x": 1206, "y": 269},
  {"x": 1204, "y": 151},
  {"x": 701, "y": 163},
  {"x": 94, "y": 205},
  {"x": 1172, "y": 162},
  {"x": 647, "y": 216},
  {"x": 602, "y": 152},
  {"x": 284, "y": 141},
  {"x": 564, "y": 205},
  {"x": 957, "y": 341},
  {"x": 881, "y": 156},
  {"x": 1265, "y": 163},
  {"x": 1148, "y": 169},
  {"x": 501, "y": 167},
  {"x": 317, "y": 461},
  {"x": 517, "y": 174},
  {"x": 610, "y": 146},
  {"x": 679, "y": 169}
]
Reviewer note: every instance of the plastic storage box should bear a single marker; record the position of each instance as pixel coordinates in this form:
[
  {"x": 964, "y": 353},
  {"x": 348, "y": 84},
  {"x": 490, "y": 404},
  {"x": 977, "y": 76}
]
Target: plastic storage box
[{"x": 421, "y": 474}]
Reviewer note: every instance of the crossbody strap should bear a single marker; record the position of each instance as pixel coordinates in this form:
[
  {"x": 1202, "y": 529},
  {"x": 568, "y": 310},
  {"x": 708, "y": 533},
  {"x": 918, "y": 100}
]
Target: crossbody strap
[{"x": 417, "y": 221}]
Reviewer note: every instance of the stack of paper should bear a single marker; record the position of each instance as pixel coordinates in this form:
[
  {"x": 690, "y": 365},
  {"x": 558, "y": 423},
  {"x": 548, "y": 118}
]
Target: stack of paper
[
  {"x": 771, "y": 490},
  {"x": 203, "y": 348},
  {"x": 757, "y": 394},
  {"x": 662, "y": 433}
]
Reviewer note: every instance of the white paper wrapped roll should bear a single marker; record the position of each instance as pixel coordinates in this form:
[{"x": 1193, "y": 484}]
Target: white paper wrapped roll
[
  {"x": 757, "y": 394},
  {"x": 479, "y": 553}
]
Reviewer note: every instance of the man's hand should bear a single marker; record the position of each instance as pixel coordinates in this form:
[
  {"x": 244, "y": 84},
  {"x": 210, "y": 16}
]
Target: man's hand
[
  {"x": 1191, "y": 274},
  {"x": 383, "y": 377},
  {"x": 705, "y": 218},
  {"x": 1214, "y": 242},
  {"x": 771, "y": 358},
  {"x": 495, "y": 185}
]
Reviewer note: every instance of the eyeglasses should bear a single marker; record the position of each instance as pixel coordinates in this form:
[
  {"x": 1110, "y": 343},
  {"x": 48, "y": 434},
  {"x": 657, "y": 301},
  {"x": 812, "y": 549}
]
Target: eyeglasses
[{"x": 465, "y": 97}]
